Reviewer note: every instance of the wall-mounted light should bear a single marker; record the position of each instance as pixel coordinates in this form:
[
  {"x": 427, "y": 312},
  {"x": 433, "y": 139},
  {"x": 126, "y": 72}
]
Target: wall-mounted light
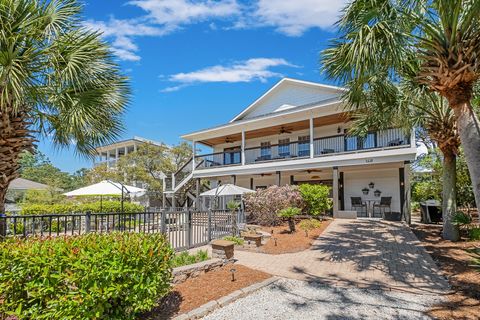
[
  {"x": 339, "y": 130},
  {"x": 371, "y": 185}
]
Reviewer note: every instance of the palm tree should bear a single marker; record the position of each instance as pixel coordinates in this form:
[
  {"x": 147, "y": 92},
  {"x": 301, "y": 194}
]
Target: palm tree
[
  {"x": 381, "y": 42},
  {"x": 57, "y": 79}
]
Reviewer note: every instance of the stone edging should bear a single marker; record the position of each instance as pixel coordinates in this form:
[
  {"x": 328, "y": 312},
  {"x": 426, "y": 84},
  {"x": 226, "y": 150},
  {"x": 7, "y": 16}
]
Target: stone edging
[
  {"x": 223, "y": 301},
  {"x": 181, "y": 274}
]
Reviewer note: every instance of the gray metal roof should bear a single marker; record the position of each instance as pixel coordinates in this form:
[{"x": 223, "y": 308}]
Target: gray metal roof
[{"x": 25, "y": 184}]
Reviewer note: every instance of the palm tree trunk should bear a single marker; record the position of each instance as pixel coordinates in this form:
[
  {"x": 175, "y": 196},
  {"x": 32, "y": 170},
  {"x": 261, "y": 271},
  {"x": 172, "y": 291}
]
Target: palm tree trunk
[
  {"x": 467, "y": 122},
  {"x": 449, "y": 196},
  {"x": 14, "y": 139}
]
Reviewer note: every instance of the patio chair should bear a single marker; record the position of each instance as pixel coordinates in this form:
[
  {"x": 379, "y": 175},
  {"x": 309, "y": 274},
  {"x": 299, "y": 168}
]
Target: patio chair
[
  {"x": 385, "y": 202},
  {"x": 357, "y": 203}
]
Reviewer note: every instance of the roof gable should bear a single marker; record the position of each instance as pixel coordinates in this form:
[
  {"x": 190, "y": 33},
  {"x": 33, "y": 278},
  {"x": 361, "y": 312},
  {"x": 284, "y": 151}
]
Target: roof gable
[{"x": 289, "y": 94}]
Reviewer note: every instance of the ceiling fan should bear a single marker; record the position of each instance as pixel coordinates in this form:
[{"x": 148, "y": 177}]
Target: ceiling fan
[
  {"x": 312, "y": 170},
  {"x": 264, "y": 174},
  {"x": 284, "y": 130},
  {"x": 229, "y": 140}
]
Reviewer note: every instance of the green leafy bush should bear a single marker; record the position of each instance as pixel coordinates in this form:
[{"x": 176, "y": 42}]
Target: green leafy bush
[
  {"x": 316, "y": 197},
  {"x": 237, "y": 240},
  {"x": 289, "y": 214},
  {"x": 184, "y": 258},
  {"x": 95, "y": 276},
  {"x": 461, "y": 219},
  {"x": 94, "y": 207},
  {"x": 474, "y": 233}
]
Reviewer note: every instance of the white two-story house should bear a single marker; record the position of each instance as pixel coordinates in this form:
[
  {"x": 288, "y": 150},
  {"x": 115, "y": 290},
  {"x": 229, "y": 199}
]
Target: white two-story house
[{"x": 297, "y": 133}]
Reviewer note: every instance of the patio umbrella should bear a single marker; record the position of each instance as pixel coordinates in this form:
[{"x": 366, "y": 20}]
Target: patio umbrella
[
  {"x": 226, "y": 190},
  {"x": 106, "y": 188}
]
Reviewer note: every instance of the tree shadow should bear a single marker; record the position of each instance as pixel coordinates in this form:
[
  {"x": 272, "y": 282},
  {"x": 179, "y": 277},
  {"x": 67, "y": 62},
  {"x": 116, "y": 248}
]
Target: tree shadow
[{"x": 384, "y": 246}]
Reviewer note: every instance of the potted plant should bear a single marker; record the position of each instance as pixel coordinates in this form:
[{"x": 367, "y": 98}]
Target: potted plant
[
  {"x": 377, "y": 193},
  {"x": 365, "y": 191}
]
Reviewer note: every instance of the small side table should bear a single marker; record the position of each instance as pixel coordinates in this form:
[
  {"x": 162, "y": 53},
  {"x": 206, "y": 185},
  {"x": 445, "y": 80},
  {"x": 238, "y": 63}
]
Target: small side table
[{"x": 370, "y": 202}]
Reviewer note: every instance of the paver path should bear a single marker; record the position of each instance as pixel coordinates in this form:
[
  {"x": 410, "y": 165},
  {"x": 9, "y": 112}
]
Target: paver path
[{"x": 366, "y": 254}]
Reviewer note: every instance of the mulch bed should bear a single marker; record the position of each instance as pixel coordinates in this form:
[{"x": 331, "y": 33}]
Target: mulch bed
[
  {"x": 290, "y": 242},
  {"x": 210, "y": 286},
  {"x": 454, "y": 260}
]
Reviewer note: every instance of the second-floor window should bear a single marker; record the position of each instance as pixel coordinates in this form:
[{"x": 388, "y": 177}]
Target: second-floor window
[
  {"x": 232, "y": 155},
  {"x": 284, "y": 147},
  {"x": 265, "y": 151},
  {"x": 303, "y": 146}
]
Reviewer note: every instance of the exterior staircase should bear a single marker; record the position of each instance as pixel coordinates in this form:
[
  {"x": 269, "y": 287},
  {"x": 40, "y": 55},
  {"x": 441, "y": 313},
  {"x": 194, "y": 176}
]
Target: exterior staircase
[{"x": 180, "y": 189}]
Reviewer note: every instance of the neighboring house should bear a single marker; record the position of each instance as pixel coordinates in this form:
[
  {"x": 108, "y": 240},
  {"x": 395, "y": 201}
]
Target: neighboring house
[
  {"x": 109, "y": 154},
  {"x": 296, "y": 133},
  {"x": 16, "y": 190}
]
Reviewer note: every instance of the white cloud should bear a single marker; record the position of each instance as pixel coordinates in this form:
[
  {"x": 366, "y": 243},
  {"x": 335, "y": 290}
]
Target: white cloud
[
  {"x": 162, "y": 17},
  {"x": 241, "y": 71},
  {"x": 295, "y": 17},
  {"x": 173, "y": 13}
]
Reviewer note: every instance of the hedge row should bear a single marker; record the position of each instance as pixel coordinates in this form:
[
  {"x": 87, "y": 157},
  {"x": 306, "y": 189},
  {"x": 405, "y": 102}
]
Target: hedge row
[
  {"x": 95, "y": 276},
  {"x": 94, "y": 207}
]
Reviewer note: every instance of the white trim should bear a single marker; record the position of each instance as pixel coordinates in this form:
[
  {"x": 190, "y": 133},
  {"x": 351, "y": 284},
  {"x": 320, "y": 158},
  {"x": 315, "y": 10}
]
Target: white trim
[
  {"x": 266, "y": 94},
  {"x": 243, "y": 147},
  {"x": 312, "y": 151}
]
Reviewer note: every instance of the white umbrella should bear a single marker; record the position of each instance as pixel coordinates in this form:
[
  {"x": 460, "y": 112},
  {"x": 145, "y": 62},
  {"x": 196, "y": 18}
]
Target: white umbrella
[
  {"x": 226, "y": 190},
  {"x": 105, "y": 188}
]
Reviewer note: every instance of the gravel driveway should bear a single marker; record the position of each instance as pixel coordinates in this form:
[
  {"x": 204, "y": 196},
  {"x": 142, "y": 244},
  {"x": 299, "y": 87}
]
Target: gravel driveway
[{"x": 296, "y": 299}]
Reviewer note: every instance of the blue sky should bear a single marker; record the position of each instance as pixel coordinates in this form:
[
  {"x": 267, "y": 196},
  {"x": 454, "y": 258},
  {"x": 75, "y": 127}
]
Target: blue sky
[{"x": 195, "y": 64}]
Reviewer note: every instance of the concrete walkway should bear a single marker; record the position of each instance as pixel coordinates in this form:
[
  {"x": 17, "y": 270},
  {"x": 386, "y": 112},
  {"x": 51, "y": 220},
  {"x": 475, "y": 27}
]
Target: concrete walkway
[{"x": 367, "y": 254}]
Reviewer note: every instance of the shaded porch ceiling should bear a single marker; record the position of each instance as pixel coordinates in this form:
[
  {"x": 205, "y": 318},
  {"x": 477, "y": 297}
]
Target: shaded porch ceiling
[{"x": 279, "y": 129}]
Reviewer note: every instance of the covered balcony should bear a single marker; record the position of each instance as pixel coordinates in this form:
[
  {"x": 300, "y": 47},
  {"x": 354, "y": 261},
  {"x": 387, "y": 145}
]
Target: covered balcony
[{"x": 308, "y": 146}]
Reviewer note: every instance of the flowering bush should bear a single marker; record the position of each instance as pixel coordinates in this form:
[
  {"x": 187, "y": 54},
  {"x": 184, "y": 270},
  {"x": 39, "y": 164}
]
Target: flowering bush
[
  {"x": 263, "y": 206},
  {"x": 109, "y": 276}
]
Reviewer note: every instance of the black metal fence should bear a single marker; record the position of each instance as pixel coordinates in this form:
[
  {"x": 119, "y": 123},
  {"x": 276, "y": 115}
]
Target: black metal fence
[{"x": 184, "y": 229}]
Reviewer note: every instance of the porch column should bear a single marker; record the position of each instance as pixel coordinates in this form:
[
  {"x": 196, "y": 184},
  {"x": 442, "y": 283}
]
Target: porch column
[
  {"x": 194, "y": 147},
  {"x": 312, "y": 152},
  {"x": 108, "y": 158},
  {"x": 134, "y": 147},
  {"x": 243, "y": 147},
  {"x": 125, "y": 150},
  {"x": 279, "y": 178},
  {"x": 234, "y": 179},
  {"x": 335, "y": 191},
  {"x": 116, "y": 153},
  {"x": 197, "y": 199}
]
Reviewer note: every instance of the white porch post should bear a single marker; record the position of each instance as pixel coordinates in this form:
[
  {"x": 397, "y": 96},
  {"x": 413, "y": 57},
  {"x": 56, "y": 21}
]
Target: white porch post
[
  {"x": 312, "y": 153},
  {"x": 408, "y": 193},
  {"x": 413, "y": 143},
  {"x": 335, "y": 191},
  {"x": 116, "y": 154},
  {"x": 194, "y": 147},
  {"x": 108, "y": 158},
  {"x": 243, "y": 147},
  {"x": 125, "y": 150},
  {"x": 134, "y": 147}
]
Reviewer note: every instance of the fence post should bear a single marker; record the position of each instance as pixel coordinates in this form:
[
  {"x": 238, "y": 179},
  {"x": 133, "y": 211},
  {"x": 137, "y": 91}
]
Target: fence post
[
  {"x": 3, "y": 225},
  {"x": 87, "y": 221},
  {"x": 163, "y": 222},
  {"x": 209, "y": 225},
  {"x": 189, "y": 228}
]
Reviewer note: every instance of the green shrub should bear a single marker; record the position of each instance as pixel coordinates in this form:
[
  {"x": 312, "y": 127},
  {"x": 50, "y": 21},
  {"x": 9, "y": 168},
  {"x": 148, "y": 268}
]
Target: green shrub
[
  {"x": 309, "y": 224},
  {"x": 185, "y": 258},
  {"x": 317, "y": 198},
  {"x": 95, "y": 276},
  {"x": 237, "y": 240},
  {"x": 94, "y": 207},
  {"x": 474, "y": 233},
  {"x": 461, "y": 219}
]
